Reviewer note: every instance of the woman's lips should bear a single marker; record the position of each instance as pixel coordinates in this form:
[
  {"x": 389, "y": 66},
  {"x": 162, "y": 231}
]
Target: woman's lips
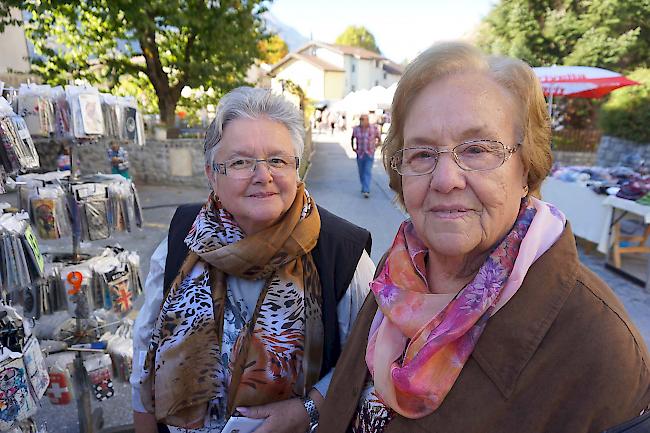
[
  {"x": 451, "y": 213},
  {"x": 262, "y": 194}
]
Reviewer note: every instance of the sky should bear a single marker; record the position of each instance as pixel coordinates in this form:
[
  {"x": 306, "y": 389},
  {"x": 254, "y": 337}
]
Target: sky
[{"x": 402, "y": 28}]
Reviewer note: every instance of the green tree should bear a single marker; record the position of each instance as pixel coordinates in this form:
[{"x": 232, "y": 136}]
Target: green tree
[
  {"x": 173, "y": 43},
  {"x": 358, "y": 36},
  {"x": 273, "y": 49},
  {"x": 627, "y": 112},
  {"x": 604, "y": 33}
]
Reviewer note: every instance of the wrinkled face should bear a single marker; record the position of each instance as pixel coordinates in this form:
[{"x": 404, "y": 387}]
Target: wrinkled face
[
  {"x": 261, "y": 200},
  {"x": 455, "y": 212}
]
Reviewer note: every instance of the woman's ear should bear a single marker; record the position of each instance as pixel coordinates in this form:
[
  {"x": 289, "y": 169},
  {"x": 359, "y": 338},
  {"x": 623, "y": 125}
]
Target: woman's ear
[{"x": 212, "y": 177}]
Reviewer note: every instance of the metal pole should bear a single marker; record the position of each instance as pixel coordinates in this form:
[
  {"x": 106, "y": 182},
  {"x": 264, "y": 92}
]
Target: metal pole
[
  {"x": 82, "y": 391},
  {"x": 74, "y": 210}
]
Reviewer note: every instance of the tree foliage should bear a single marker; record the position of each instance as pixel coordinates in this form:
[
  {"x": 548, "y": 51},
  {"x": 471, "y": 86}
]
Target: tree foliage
[
  {"x": 273, "y": 49},
  {"x": 358, "y": 36},
  {"x": 171, "y": 43},
  {"x": 603, "y": 33},
  {"x": 627, "y": 112}
]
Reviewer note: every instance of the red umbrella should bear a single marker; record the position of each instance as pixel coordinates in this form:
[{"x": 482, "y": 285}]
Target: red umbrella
[{"x": 580, "y": 81}]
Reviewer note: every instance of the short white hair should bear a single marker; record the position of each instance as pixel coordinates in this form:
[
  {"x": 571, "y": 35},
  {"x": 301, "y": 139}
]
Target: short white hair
[{"x": 254, "y": 103}]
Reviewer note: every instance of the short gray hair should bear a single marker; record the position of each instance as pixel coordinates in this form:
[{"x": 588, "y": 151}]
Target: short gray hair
[{"x": 254, "y": 103}]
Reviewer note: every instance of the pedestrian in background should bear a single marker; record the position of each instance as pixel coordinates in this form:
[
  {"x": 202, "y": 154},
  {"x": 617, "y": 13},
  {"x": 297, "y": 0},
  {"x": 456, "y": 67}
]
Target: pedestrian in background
[
  {"x": 119, "y": 160},
  {"x": 365, "y": 137},
  {"x": 63, "y": 160}
]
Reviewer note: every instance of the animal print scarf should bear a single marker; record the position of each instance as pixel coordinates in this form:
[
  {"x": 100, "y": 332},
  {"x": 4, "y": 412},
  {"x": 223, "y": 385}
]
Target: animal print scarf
[{"x": 278, "y": 353}]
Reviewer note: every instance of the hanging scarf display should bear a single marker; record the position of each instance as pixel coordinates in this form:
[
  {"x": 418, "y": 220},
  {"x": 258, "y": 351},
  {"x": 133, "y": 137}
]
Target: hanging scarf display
[
  {"x": 414, "y": 355},
  {"x": 277, "y": 354}
]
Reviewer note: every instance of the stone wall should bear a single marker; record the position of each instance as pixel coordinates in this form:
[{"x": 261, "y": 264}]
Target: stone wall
[
  {"x": 564, "y": 158},
  {"x": 613, "y": 150},
  {"x": 159, "y": 162}
]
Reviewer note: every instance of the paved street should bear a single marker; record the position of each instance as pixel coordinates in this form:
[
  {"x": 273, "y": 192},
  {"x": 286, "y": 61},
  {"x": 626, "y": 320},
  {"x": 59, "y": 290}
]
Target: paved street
[{"x": 332, "y": 179}]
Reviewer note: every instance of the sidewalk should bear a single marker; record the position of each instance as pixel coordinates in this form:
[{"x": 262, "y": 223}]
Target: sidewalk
[{"x": 333, "y": 181}]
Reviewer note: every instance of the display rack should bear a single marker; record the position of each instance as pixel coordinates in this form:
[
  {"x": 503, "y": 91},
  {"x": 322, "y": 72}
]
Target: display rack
[{"x": 89, "y": 421}]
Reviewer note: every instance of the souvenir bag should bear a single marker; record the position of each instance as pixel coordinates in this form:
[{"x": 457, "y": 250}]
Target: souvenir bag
[
  {"x": 91, "y": 113},
  {"x": 96, "y": 218},
  {"x": 16, "y": 400},
  {"x": 77, "y": 281},
  {"x": 35, "y": 365},
  {"x": 99, "y": 373},
  {"x": 59, "y": 391},
  {"x": 119, "y": 285},
  {"x": 45, "y": 215}
]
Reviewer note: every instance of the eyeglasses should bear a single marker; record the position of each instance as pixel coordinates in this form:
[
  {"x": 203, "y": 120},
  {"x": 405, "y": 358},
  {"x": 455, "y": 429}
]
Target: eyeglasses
[
  {"x": 243, "y": 168},
  {"x": 475, "y": 155}
]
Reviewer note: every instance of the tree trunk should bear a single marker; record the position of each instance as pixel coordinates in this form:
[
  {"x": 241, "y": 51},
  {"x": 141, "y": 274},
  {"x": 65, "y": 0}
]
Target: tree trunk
[{"x": 167, "y": 106}]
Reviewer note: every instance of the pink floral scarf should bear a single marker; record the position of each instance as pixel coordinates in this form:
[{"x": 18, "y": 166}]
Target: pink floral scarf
[{"x": 418, "y": 347}]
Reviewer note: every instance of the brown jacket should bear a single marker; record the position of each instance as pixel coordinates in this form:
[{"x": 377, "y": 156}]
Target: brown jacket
[{"x": 561, "y": 356}]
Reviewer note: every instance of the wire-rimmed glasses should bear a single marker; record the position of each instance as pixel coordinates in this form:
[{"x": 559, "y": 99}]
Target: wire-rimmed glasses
[
  {"x": 243, "y": 167},
  {"x": 474, "y": 155}
]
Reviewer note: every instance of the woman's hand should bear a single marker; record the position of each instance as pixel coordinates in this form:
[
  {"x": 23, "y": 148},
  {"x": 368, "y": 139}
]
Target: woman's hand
[
  {"x": 144, "y": 422},
  {"x": 287, "y": 416}
]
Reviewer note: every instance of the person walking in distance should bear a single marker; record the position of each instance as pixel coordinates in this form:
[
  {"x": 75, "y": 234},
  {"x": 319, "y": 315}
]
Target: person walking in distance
[{"x": 365, "y": 137}]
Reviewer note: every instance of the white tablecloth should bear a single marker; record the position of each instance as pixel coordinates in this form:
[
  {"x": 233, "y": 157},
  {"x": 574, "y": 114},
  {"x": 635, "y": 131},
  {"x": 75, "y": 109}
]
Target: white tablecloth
[
  {"x": 583, "y": 208},
  {"x": 590, "y": 214}
]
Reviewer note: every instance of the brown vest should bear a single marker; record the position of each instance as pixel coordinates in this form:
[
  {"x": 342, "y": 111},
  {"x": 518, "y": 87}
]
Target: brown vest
[{"x": 561, "y": 356}]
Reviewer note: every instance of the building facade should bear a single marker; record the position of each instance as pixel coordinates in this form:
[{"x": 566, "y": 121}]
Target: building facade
[{"x": 328, "y": 72}]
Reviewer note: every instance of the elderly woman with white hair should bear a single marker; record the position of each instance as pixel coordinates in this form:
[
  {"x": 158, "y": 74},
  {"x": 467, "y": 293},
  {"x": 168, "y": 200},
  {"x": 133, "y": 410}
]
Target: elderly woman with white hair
[{"x": 253, "y": 293}]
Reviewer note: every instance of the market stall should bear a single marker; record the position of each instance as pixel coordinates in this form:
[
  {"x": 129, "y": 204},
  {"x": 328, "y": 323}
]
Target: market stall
[
  {"x": 72, "y": 302},
  {"x": 598, "y": 202}
]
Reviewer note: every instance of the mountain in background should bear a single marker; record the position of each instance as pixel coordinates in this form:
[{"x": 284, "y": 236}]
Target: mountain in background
[{"x": 291, "y": 36}]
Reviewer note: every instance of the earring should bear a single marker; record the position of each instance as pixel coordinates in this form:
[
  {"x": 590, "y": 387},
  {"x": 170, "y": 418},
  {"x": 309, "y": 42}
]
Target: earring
[{"x": 526, "y": 189}]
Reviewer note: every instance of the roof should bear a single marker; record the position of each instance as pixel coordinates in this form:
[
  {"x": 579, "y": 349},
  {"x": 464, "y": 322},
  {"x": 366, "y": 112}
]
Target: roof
[
  {"x": 316, "y": 61},
  {"x": 361, "y": 53},
  {"x": 392, "y": 68}
]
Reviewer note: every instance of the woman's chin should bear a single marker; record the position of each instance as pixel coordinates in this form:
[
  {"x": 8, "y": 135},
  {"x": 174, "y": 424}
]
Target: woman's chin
[{"x": 452, "y": 245}]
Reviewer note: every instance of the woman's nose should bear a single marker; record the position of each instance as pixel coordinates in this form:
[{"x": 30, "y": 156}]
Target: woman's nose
[
  {"x": 262, "y": 172},
  {"x": 447, "y": 175}
]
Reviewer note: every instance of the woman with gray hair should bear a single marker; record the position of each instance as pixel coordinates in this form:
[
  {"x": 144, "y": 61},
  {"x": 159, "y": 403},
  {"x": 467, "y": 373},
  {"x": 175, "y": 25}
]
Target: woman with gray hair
[{"x": 252, "y": 294}]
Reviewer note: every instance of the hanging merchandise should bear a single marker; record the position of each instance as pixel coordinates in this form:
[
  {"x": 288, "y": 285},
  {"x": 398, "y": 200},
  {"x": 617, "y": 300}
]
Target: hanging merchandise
[
  {"x": 99, "y": 369},
  {"x": 36, "y": 107},
  {"x": 120, "y": 348},
  {"x": 17, "y": 151},
  {"x": 59, "y": 365},
  {"x": 77, "y": 282},
  {"x": 86, "y": 109},
  {"x": 3, "y": 180},
  {"x": 21, "y": 263},
  {"x": 23, "y": 378},
  {"x": 48, "y": 211},
  {"x": 92, "y": 202},
  {"x": 62, "y": 116}
]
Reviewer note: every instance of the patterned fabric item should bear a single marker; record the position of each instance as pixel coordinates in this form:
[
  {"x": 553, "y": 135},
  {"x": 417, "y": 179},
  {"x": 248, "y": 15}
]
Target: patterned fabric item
[
  {"x": 366, "y": 139},
  {"x": 276, "y": 355},
  {"x": 415, "y": 356}
]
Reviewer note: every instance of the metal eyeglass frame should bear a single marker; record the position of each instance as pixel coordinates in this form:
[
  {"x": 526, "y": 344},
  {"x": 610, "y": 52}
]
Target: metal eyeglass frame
[
  {"x": 508, "y": 153},
  {"x": 217, "y": 166}
]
